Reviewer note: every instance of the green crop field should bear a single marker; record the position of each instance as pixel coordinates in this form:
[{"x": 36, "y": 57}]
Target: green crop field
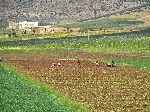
[
  {"x": 77, "y": 75},
  {"x": 108, "y": 45},
  {"x": 92, "y": 26},
  {"x": 136, "y": 62},
  {"x": 4, "y": 36},
  {"x": 122, "y": 88},
  {"x": 139, "y": 63},
  {"x": 136, "y": 45},
  {"x": 104, "y": 23},
  {"x": 19, "y": 93}
]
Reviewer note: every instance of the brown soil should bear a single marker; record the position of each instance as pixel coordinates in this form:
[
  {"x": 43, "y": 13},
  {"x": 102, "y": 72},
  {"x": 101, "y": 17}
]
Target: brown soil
[
  {"x": 99, "y": 88},
  {"x": 61, "y": 55}
]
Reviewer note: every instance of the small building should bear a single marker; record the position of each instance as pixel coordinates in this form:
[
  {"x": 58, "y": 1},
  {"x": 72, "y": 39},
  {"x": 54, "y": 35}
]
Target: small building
[
  {"x": 58, "y": 29},
  {"x": 41, "y": 29},
  {"x": 73, "y": 29},
  {"x": 49, "y": 29},
  {"x": 25, "y": 24}
]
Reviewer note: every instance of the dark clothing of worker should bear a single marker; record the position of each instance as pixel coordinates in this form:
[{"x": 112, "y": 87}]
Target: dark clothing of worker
[
  {"x": 113, "y": 64},
  {"x": 78, "y": 64}
]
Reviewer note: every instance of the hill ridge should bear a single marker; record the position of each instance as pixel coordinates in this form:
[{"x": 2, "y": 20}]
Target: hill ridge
[{"x": 57, "y": 10}]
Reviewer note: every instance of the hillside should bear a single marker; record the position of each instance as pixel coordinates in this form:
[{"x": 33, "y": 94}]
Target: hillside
[{"x": 54, "y": 10}]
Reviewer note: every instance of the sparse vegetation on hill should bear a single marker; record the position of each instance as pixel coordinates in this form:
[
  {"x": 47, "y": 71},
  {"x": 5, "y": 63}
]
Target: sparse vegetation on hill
[
  {"x": 48, "y": 10},
  {"x": 45, "y": 72}
]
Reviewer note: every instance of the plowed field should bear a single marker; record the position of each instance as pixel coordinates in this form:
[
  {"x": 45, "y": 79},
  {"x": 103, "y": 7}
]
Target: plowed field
[{"x": 99, "y": 88}]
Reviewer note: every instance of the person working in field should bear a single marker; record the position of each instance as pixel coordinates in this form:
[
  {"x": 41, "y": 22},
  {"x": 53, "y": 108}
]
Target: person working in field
[
  {"x": 97, "y": 63},
  {"x": 112, "y": 64},
  {"x": 78, "y": 64},
  {"x": 55, "y": 64}
]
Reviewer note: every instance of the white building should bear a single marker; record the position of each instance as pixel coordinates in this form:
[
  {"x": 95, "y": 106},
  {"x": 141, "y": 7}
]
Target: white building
[{"x": 25, "y": 24}]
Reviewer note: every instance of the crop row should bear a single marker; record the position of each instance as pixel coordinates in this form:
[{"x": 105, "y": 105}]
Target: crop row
[
  {"x": 21, "y": 93},
  {"x": 104, "y": 23},
  {"x": 109, "y": 45},
  {"x": 99, "y": 89}
]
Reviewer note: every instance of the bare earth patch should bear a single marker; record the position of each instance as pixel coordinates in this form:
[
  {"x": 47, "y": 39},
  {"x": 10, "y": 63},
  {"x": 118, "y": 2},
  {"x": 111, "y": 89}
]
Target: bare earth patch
[{"x": 100, "y": 88}]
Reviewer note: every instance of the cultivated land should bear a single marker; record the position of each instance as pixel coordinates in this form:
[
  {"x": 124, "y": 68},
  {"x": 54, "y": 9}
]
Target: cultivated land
[
  {"x": 98, "y": 88},
  {"x": 93, "y": 27},
  {"x": 107, "y": 25},
  {"x": 22, "y": 93},
  {"x": 30, "y": 82}
]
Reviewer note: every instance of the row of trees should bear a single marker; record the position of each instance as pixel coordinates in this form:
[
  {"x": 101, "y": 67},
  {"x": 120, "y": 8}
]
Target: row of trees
[{"x": 15, "y": 32}]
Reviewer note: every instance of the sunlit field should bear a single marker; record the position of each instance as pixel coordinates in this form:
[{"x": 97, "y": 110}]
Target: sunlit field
[
  {"x": 22, "y": 93},
  {"x": 75, "y": 56},
  {"x": 111, "y": 45},
  {"x": 97, "y": 88}
]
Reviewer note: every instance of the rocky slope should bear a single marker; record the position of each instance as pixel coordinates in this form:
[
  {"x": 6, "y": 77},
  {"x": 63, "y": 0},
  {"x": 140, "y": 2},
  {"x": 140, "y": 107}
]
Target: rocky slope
[{"x": 50, "y": 10}]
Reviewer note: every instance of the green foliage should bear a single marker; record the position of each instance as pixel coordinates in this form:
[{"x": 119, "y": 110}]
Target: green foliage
[
  {"x": 43, "y": 23},
  {"x": 103, "y": 23},
  {"x": 143, "y": 1},
  {"x": 14, "y": 34},
  {"x": 3, "y": 24},
  {"x": 142, "y": 63},
  {"x": 27, "y": 36},
  {"x": 9, "y": 35},
  {"x": 34, "y": 30},
  {"x": 107, "y": 45},
  {"x": 19, "y": 93}
]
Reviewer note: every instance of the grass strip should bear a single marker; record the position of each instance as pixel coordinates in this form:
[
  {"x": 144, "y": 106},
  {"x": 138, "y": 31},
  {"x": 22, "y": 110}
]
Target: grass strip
[{"x": 21, "y": 93}]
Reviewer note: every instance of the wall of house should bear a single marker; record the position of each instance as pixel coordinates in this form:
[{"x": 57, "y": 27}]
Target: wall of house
[
  {"x": 25, "y": 24},
  {"x": 42, "y": 30}
]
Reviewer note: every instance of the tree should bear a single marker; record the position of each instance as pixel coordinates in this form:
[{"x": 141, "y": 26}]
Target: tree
[
  {"x": 34, "y": 31},
  {"x": 9, "y": 35},
  {"x": 14, "y": 34}
]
